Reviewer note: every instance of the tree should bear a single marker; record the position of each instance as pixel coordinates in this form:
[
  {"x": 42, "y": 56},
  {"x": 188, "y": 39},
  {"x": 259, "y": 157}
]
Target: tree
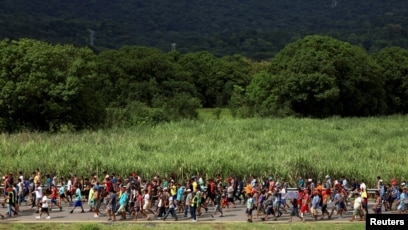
[
  {"x": 203, "y": 69},
  {"x": 141, "y": 74},
  {"x": 394, "y": 63},
  {"x": 45, "y": 87},
  {"x": 319, "y": 76}
]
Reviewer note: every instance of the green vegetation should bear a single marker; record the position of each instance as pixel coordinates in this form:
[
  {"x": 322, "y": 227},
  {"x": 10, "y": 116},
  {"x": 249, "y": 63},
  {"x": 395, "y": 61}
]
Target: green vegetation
[
  {"x": 283, "y": 148},
  {"x": 45, "y": 87},
  {"x": 319, "y": 72},
  {"x": 180, "y": 226},
  {"x": 257, "y": 29},
  {"x": 63, "y": 88}
]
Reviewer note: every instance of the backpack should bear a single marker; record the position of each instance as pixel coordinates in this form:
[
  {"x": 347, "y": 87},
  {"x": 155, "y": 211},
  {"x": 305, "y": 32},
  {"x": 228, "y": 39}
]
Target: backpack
[{"x": 394, "y": 192}]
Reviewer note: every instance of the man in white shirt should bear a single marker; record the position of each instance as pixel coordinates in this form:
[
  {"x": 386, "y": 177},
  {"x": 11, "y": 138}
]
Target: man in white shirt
[
  {"x": 363, "y": 185},
  {"x": 44, "y": 207},
  {"x": 146, "y": 204},
  {"x": 230, "y": 195},
  {"x": 20, "y": 195},
  {"x": 69, "y": 190},
  {"x": 38, "y": 196}
]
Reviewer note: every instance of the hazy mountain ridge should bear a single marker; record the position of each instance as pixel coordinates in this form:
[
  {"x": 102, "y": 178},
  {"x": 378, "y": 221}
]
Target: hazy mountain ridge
[{"x": 256, "y": 28}]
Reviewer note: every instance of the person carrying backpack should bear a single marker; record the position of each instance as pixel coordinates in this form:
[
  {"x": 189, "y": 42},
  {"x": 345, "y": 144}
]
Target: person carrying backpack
[{"x": 393, "y": 195}]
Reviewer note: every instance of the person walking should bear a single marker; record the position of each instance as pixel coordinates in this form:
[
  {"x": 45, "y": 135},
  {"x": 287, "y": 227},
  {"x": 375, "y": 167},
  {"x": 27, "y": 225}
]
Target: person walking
[
  {"x": 54, "y": 197},
  {"x": 44, "y": 206},
  {"x": 249, "y": 207},
  {"x": 111, "y": 205},
  {"x": 170, "y": 210},
  {"x": 193, "y": 208},
  {"x": 11, "y": 195},
  {"x": 217, "y": 203},
  {"x": 295, "y": 210},
  {"x": 187, "y": 202},
  {"x": 123, "y": 199},
  {"x": 78, "y": 200},
  {"x": 96, "y": 201},
  {"x": 358, "y": 207}
]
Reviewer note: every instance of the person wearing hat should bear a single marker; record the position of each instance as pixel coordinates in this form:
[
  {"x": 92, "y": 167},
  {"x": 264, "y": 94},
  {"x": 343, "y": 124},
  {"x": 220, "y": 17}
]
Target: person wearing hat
[
  {"x": 187, "y": 202},
  {"x": 401, "y": 201},
  {"x": 305, "y": 203},
  {"x": 11, "y": 197},
  {"x": 315, "y": 204},
  {"x": 394, "y": 190},
  {"x": 170, "y": 208}
]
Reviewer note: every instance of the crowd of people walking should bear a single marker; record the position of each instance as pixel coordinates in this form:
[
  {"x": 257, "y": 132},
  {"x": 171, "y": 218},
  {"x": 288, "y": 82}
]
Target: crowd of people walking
[{"x": 134, "y": 197}]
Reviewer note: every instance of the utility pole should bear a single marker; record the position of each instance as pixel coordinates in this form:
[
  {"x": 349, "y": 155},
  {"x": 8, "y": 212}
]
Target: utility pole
[{"x": 91, "y": 37}]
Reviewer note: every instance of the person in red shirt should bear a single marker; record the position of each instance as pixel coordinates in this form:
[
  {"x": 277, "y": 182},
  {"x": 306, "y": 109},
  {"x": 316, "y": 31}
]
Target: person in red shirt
[
  {"x": 108, "y": 185},
  {"x": 305, "y": 203},
  {"x": 212, "y": 190},
  {"x": 54, "y": 197}
]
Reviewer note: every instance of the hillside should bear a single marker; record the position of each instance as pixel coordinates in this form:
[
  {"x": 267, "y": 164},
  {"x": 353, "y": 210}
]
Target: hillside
[{"x": 256, "y": 28}]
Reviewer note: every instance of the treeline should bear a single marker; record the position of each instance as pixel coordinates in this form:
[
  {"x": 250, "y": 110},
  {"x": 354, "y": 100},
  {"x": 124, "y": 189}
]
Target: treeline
[
  {"x": 46, "y": 87},
  {"x": 256, "y": 29}
]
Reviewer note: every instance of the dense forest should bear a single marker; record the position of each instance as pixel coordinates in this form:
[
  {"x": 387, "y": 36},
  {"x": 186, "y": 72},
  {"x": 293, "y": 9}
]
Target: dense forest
[
  {"x": 256, "y": 29},
  {"x": 45, "y": 87},
  {"x": 258, "y": 58}
]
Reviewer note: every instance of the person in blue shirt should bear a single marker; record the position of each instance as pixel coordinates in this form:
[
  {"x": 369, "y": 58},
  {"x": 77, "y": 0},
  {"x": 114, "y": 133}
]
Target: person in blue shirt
[
  {"x": 123, "y": 200},
  {"x": 300, "y": 182},
  {"x": 78, "y": 200},
  {"x": 315, "y": 204},
  {"x": 180, "y": 199},
  {"x": 112, "y": 205}
]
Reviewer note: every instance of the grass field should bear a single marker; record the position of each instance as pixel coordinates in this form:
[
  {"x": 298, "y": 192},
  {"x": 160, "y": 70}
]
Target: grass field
[
  {"x": 198, "y": 226},
  {"x": 283, "y": 148}
]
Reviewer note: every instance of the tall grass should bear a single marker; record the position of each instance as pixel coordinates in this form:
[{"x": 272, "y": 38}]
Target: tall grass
[{"x": 283, "y": 148}]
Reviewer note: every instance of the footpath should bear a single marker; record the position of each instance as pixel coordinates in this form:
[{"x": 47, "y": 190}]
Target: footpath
[{"x": 28, "y": 215}]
